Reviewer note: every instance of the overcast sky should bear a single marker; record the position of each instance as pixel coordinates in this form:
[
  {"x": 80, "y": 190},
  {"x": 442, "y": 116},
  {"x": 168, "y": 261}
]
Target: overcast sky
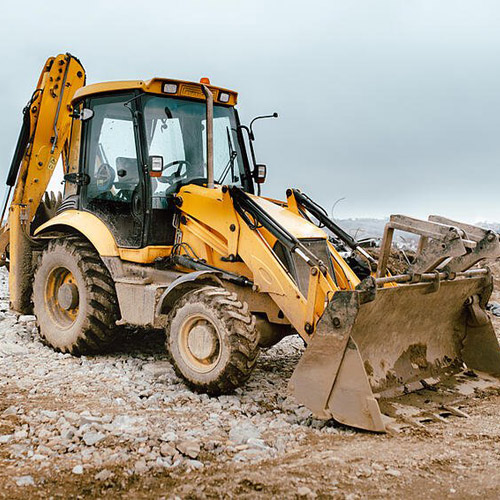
[{"x": 392, "y": 104}]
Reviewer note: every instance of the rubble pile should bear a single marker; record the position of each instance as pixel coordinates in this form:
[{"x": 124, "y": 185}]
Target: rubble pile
[{"x": 128, "y": 408}]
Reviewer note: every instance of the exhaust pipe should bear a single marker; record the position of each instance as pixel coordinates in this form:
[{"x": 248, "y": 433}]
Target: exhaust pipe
[{"x": 210, "y": 136}]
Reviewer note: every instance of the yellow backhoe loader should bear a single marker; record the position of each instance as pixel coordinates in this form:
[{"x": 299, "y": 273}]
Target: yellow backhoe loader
[{"x": 161, "y": 224}]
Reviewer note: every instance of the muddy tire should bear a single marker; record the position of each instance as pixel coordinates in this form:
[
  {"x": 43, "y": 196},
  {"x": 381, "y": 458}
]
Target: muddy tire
[
  {"x": 74, "y": 298},
  {"x": 212, "y": 340}
]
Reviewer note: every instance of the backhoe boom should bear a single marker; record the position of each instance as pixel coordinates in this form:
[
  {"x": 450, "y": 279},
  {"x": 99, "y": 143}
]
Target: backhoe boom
[{"x": 42, "y": 141}]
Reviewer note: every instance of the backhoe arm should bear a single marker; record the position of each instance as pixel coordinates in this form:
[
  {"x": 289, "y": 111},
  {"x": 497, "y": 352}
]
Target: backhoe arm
[{"x": 42, "y": 141}]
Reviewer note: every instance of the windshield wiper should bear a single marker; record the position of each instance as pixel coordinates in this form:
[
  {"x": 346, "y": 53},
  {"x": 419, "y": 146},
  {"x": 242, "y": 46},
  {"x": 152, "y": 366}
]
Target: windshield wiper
[
  {"x": 230, "y": 164},
  {"x": 228, "y": 167}
]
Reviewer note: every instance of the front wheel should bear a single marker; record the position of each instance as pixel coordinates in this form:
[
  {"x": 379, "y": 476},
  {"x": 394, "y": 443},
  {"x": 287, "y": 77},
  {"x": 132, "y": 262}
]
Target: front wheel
[{"x": 212, "y": 340}]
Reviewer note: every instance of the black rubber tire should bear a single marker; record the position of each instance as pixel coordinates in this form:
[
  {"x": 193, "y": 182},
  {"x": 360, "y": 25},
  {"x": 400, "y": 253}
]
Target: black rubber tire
[
  {"x": 236, "y": 328},
  {"x": 94, "y": 326}
]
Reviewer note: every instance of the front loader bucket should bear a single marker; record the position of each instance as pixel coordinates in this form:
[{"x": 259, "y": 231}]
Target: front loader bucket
[{"x": 395, "y": 341}]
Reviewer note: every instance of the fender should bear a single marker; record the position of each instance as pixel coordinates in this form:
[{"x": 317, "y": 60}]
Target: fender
[
  {"x": 183, "y": 284},
  {"x": 89, "y": 225}
]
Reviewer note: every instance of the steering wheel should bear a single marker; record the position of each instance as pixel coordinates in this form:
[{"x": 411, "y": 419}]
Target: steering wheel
[
  {"x": 105, "y": 177},
  {"x": 168, "y": 179}
]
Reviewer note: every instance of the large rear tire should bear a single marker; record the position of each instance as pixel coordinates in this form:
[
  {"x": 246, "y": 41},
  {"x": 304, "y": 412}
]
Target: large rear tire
[
  {"x": 74, "y": 297},
  {"x": 212, "y": 340}
]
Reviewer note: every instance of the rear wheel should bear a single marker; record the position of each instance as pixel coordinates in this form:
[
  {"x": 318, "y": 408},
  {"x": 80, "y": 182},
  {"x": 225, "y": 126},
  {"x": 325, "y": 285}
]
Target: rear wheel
[
  {"x": 212, "y": 340},
  {"x": 74, "y": 297}
]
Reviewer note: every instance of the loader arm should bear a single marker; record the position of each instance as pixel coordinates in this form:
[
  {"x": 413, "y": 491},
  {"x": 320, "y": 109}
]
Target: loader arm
[
  {"x": 209, "y": 215},
  {"x": 43, "y": 139},
  {"x": 384, "y": 335}
]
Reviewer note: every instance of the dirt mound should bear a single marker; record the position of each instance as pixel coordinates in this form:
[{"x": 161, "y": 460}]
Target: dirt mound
[{"x": 124, "y": 425}]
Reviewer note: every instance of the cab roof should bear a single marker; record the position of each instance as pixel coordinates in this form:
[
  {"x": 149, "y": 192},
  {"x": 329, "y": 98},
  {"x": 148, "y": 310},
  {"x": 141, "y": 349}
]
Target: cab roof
[{"x": 192, "y": 90}]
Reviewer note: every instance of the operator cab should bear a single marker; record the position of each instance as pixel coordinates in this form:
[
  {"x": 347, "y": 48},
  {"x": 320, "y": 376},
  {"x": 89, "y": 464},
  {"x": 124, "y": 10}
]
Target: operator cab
[{"x": 141, "y": 142}]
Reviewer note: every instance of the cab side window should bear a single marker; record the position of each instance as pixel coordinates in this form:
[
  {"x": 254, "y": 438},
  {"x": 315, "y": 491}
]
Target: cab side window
[{"x": 115, "y": 192}]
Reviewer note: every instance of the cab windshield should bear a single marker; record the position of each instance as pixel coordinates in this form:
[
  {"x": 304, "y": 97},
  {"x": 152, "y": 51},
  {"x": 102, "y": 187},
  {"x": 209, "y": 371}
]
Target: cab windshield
[{"x": 175, "y": 130}]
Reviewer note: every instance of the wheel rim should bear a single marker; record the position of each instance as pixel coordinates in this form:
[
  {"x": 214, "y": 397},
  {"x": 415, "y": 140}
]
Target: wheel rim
[
  {"x": 61, "y": 297},
  {"x": 200, "y": 343}
]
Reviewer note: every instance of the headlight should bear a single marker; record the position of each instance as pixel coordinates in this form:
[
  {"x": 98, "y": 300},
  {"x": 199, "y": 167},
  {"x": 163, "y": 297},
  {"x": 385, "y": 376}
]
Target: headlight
[{"x": 170, "y": 88}]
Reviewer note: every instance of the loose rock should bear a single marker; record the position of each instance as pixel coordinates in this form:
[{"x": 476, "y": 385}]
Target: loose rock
[
  {"x": 104, "y": 475},
  {"x": 25, "y": 481},
  {"x": 91, "y": 438},
  {"x": 26, "y": 318},
  {"x": 189, "y": 448},
  {"x": 77, "y": 469},
  {"x": 241, "y": 432},
  {"x": 304, "y": 491}
]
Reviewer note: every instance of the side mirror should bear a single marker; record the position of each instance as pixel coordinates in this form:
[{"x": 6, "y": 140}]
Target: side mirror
[
  {"x": 155, "y": 166},
  {"x": 260, "y": 173}
]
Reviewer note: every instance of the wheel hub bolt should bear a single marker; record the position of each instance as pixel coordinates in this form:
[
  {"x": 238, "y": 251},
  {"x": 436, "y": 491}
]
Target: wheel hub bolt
[
  {"x": 67, "y": 296},
  {"x": 201, "y": 342}
]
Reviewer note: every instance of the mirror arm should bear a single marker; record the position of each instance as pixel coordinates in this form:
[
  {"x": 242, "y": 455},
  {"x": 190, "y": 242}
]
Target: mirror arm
[{"x": 262, "y": 117}]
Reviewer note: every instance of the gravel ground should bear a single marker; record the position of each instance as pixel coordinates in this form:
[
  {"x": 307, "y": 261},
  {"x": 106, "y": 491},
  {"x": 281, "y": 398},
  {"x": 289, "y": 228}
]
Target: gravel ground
[{"x": 123, "y": 424}]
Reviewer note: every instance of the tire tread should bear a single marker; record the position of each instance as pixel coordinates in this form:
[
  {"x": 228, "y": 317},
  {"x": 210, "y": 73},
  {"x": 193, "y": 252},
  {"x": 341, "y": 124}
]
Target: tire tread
[{"x": 242, "y": 335}]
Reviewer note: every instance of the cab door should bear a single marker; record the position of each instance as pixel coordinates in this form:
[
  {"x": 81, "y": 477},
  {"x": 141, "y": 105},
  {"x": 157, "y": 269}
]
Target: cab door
[{"x": 111, "y": 159}]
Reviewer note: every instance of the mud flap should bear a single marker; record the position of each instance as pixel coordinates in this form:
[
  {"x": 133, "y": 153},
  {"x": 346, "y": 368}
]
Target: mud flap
[
  {"x": 405, "y": 336},
  {"x": 330, "y": 378}
]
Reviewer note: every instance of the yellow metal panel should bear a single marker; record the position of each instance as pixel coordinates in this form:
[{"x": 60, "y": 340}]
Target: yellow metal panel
[
  {"x": 155, "y": 86},
  {"x": 87, "y": 224},
  {"x": 204, "y": 234},
  {"x": 100, "y": 236},
  {"x": 145, "y": 255},
  {"x": 100, "y": 88},
  {"x": 200, "y": 203},
  {"x": 270, "y": 276},
  {"x": 294, "y": 224}
]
